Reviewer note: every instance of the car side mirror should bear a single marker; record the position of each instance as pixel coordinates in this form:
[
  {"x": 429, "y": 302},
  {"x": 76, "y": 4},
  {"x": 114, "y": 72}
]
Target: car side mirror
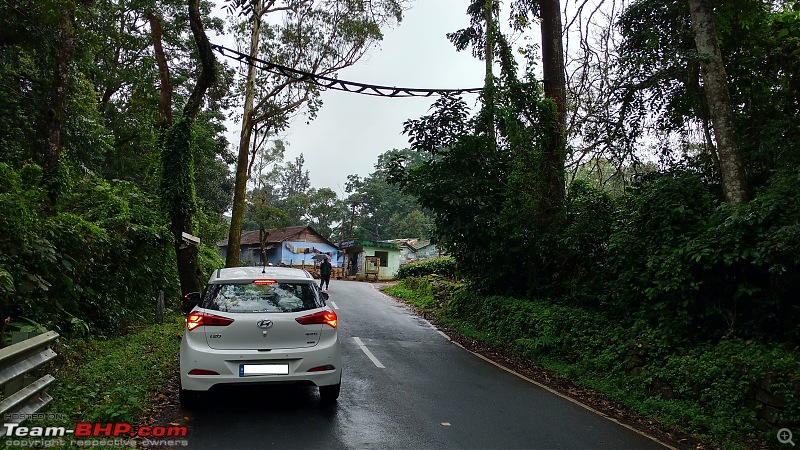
[
  {"x": 190, "y": 300},
  {"x": 325, "y": 296}
]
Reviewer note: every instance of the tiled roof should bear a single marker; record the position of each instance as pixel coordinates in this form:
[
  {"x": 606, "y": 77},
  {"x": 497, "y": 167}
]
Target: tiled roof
[{"x": 275, "y": 235}]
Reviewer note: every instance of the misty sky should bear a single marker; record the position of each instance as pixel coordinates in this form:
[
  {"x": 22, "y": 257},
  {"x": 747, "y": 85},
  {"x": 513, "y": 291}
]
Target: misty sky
[{"x": 351, "y": 130}]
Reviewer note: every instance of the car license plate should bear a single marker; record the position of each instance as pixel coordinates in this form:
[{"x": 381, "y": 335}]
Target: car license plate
[{"x": 247, "y": 370}]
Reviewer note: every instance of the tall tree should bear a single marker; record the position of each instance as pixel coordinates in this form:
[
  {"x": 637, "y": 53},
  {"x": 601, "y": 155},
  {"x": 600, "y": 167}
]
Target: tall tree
[
  {"x": 553, "y": 161},
  {"x": 488, "y": 43},
  {"x": 58, "y": 97},
  {"x": 555, "y": 88},
  {"x": 381, "y": 210},
  {"x": 734, "y": 182},
  {"x": 316, "y": 37},
  {"x": 178, "y": 189},
  {"x": 325, "y": 211},
  {"x": 663, "y": 91},
  {"x": 294, "y": 179}
]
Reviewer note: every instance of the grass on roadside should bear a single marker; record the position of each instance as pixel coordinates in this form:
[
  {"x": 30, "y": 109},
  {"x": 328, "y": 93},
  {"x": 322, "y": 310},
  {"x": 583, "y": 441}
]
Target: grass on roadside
[
  {"x": 113, "y": 380},
  {"x": 423, "y": 301}
]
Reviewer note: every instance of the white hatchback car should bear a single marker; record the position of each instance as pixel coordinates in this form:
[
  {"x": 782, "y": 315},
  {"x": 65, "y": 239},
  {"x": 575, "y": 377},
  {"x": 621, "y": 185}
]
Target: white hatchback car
[{"x": 257, "y": 325}]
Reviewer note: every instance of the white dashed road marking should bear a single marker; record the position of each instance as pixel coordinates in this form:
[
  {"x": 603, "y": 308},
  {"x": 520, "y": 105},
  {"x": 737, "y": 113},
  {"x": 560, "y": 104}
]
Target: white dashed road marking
[{"x": 369, "y": 353}]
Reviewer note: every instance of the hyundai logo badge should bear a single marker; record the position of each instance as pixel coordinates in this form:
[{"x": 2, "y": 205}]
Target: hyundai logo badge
[{"x": 264, "y": 323}]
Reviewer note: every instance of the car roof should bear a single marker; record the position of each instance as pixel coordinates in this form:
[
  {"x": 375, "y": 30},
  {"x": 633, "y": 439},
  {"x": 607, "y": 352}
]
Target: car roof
[{"x": 247, "y": 274}]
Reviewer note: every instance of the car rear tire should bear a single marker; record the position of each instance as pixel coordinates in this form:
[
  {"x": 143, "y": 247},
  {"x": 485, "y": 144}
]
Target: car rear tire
[
  {"x": 189, "y": 399},
  {"x": 329, "y": 394}
]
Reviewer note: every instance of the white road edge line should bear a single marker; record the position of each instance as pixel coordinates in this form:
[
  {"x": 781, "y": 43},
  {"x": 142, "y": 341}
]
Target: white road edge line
[
  {"x": 534, "y": 382},
  {"x": 565, "y": 397},
  {"x": 334, "y": 305},
  {"x": 369, "y": 353}
]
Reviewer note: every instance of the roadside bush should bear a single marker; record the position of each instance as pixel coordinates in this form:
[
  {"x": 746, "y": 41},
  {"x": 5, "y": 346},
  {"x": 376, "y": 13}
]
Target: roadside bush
[
  {"x": 95, "y": 265},
  {"x": 441, "y": 291},
  {"x": 445, "y": 267},
  {"x": 740, "y": 385},
  {"x": 114, "y": 380},
  {"x": 712, "y": 268},
  {"x": 539, "y": 328},
  {"x": 585, "y": 238}
]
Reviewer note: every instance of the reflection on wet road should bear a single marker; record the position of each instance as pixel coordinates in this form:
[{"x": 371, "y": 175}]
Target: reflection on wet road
[{"x": 429, "y": 394}]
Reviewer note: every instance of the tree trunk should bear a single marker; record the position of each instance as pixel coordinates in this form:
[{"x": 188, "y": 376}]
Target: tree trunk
[
  {"x": 54, "y": 122},
  {"x": 240, "y": 187},
  {"x": 178, "y": 171},
  {"x": 165, "y": 90},
  {"x": 734, "y": 183},
  {"x": 208, "y": 72},
  {"x": 489, "y": 86},
  {"x": 554, "y": 88}
]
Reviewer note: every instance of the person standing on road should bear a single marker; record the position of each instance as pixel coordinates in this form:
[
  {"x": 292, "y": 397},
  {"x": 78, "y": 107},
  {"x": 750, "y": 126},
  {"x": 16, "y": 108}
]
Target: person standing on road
[{"x": 325, "y": 270}]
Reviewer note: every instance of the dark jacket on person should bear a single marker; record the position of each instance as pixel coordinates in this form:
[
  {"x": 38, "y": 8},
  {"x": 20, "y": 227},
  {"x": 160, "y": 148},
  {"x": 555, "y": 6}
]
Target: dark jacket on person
[{"x": 325, "y": 269}]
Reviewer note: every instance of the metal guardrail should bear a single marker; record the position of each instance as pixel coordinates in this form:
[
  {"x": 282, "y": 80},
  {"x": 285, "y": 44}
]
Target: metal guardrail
[{"x": 16, "y": 362}]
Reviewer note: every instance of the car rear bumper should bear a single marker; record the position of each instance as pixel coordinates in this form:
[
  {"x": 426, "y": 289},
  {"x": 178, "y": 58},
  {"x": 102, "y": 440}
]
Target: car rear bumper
[{"x": 227, "y": 363}]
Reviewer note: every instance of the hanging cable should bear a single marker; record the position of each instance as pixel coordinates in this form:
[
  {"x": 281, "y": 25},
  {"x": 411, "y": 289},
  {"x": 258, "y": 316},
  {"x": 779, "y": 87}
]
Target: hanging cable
[{"x": 339, "y": 85}]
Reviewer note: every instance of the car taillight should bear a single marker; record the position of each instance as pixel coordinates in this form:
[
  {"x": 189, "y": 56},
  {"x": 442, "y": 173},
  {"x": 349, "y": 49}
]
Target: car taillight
[
  {"x": 263, "y": 282},
  {"x": 197, "y": 319},
  {"x": 326, "y": 317}
]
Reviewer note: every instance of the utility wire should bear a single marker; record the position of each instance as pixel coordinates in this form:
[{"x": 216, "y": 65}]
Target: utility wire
[{"x": 339, "y": 85}]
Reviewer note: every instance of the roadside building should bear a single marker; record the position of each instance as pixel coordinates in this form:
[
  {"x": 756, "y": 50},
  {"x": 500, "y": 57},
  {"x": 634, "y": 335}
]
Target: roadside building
[
  {"x": 291, "y": 246},
  {"x": 370, "y": 259},
  {"x": 417, "y": 249}
]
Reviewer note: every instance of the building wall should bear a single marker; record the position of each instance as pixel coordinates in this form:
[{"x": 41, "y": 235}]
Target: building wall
[
  {"x": 407, "y": 254},
  {"x": 252, "y": 254},
  {"x": 292, "y": 254},
  {"x": 384, "y": 273},
  {"x": 429, "y": 251}
]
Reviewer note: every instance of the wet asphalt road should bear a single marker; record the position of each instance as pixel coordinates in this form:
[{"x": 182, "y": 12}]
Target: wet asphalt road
[{"x": 429, "y": 394}]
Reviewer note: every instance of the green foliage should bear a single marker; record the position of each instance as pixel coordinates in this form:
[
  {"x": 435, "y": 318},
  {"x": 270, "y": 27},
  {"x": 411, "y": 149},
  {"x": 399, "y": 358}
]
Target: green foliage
[
  {"x": 381, "y": 210},
  {"x": 462, "y": 182},
  {"x": 429, "y": 292},
  {"x": 445, "y": 267},
  {"x": 420, "y": 298},
  {"x": 673, "y": 250},
  {"x": 114, "y": 380},
  {"x": 177, "y": 185},
  {"x": 659, "y": 75},
  {"x": 493, "y": 180},
  {"x": 84, "y": 268},
  {"x": 209, "y": 260},
  {"x": 94, "y": 261},
  {"x": 590, "y": 215}
]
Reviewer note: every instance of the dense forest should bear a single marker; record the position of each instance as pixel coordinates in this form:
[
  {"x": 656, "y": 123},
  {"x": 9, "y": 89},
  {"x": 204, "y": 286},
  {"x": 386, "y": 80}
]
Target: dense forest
[
  {"x": 113, "y": 144},
  {"x": 701, "y": 241}
]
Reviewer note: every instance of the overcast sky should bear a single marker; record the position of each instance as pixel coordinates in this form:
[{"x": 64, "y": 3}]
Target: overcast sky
[{"x": 351, "y": 130}]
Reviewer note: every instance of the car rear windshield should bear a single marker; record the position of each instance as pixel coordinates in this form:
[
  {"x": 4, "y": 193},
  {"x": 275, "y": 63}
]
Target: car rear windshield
[{"x": 277, "y": 297}]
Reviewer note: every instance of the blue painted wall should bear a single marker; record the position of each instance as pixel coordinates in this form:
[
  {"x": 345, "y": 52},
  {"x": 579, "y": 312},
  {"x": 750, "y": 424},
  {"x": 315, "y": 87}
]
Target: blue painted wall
[{"x": 295, "y": 253}]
